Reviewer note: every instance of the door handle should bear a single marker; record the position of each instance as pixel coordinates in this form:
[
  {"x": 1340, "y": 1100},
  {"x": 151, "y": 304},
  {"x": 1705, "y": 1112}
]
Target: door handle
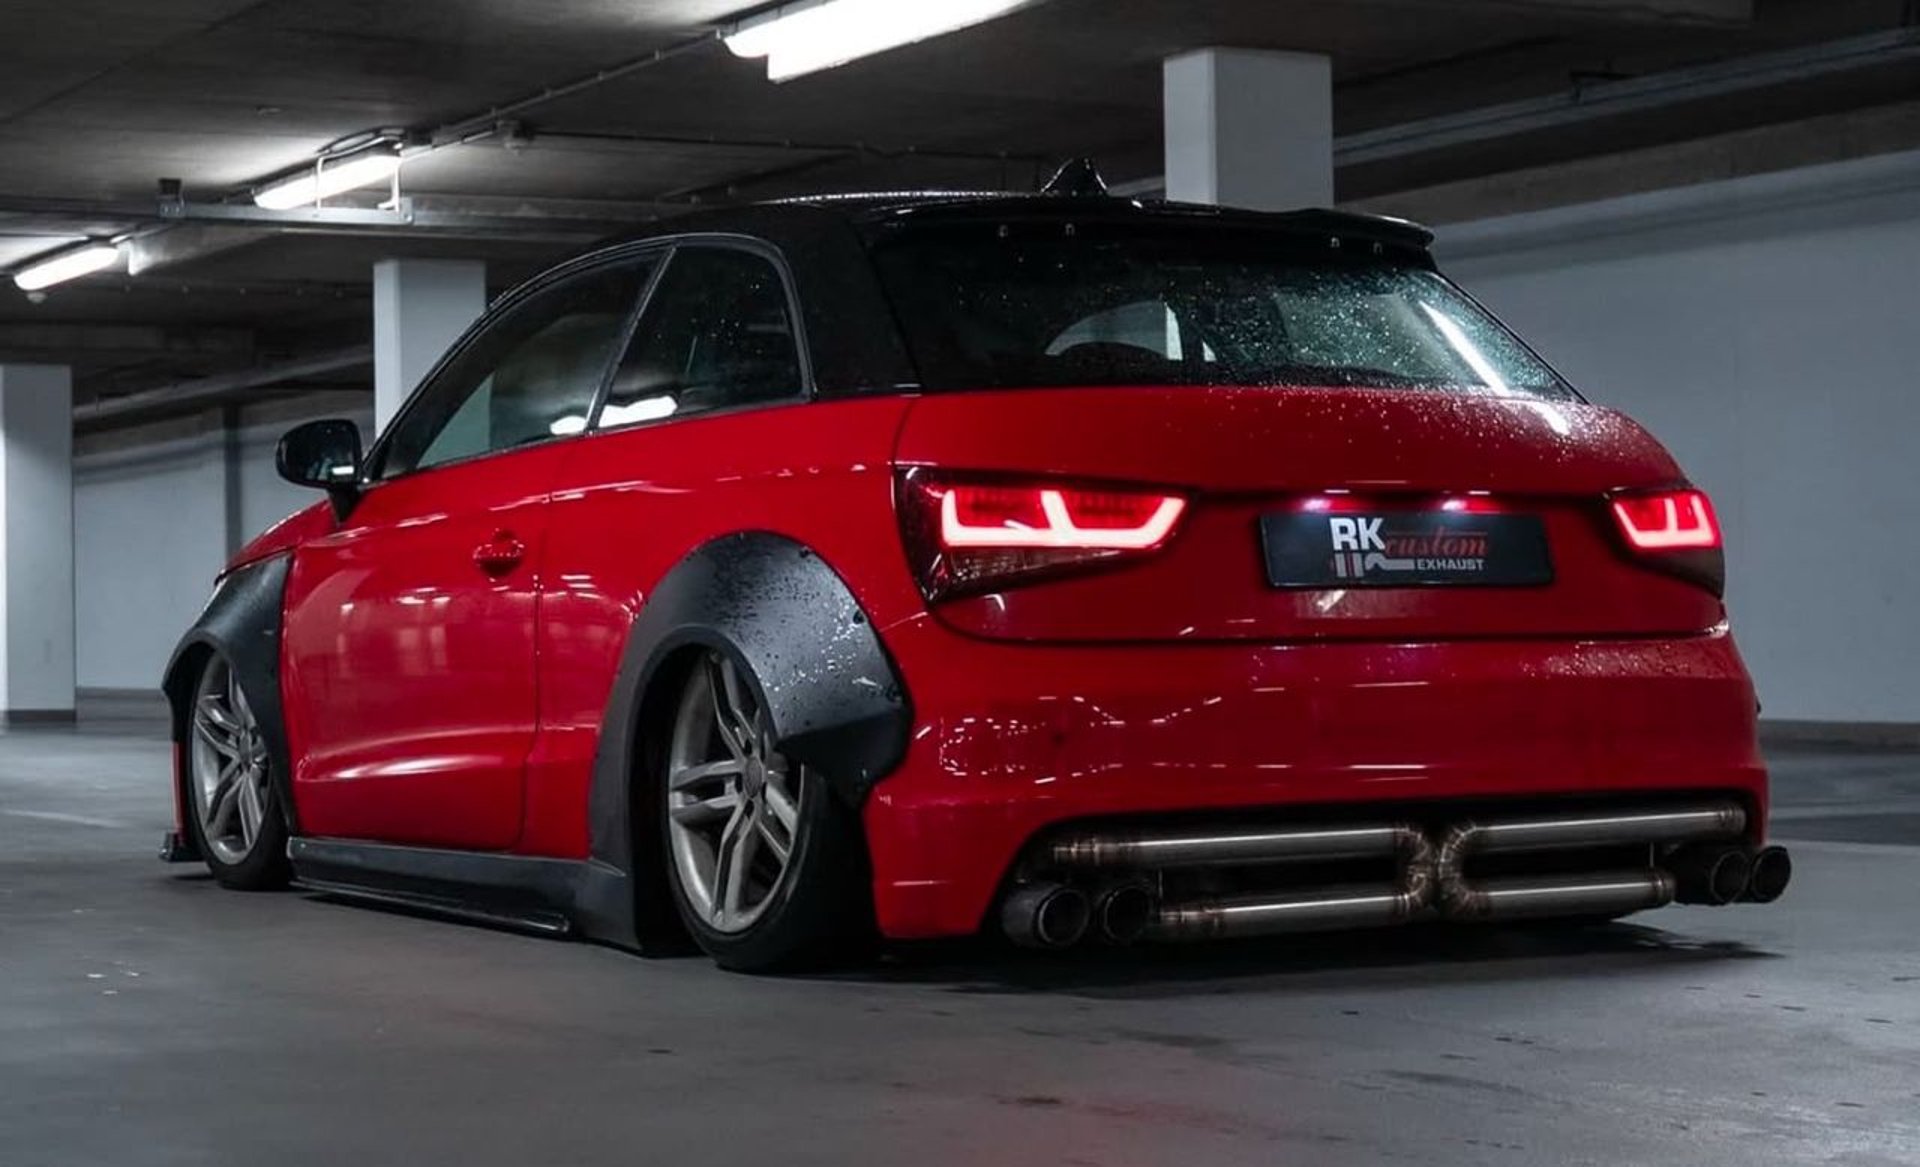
[{"x": 500, "y": 555}]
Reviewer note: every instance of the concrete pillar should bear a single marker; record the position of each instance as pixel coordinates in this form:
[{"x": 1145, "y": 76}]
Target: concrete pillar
[
  {"x": 420, "y": 307},
  {"x": 1250, "y": 129},
  {"x": 36, "y": 542}
]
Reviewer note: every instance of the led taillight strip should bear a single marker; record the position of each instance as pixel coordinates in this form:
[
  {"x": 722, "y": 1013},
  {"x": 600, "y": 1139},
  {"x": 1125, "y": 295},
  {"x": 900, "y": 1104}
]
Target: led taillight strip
[
  {"x": 1684, "y": 520},
  {"x": 1061, "y": 532}
]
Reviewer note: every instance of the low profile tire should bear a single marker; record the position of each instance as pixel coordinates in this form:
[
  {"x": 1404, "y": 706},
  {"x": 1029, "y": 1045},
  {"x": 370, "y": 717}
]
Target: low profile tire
[
  {"x": 232, "y": 809},
  {"x": 766, "y": 866}
]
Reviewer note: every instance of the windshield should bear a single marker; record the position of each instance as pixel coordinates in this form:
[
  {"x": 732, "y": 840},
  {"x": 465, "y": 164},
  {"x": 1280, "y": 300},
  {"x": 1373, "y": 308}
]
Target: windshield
[{"x": 982, "y": 309}]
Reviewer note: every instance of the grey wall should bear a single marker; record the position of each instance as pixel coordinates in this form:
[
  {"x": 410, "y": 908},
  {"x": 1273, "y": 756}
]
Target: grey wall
[
  {"x": 1768, "y": 330},
  {"x": 1764, "y": 328},
  {"x": 152, "y": 529}
]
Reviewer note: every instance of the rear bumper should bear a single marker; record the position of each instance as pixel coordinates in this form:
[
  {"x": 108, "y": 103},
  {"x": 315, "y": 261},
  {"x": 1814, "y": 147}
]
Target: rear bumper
[{"x": 1012, "y": 739}]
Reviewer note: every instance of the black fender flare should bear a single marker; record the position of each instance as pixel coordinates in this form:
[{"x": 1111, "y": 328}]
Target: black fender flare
[
  {"x": 242, "y": 623},
  {"x": 835, "y": 697}
]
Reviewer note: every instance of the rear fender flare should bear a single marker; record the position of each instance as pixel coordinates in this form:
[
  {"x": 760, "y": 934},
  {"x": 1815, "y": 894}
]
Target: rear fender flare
[{"x": 835, "y": 698}]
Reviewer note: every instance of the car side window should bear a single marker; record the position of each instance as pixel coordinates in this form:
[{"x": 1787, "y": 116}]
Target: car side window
[
  {"x": 717, "y": 334},
  {"x": 532, "y": 376}
]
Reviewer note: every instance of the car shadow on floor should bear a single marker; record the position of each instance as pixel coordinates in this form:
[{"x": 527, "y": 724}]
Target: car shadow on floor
[
  {"x": 1423, "y": 954},
  {"x": 1426, "y": 955}
]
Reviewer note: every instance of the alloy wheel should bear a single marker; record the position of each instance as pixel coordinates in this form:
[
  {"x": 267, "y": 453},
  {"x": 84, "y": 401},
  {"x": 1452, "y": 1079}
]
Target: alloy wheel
[
  {"x": 733, "y": 802},
  {"x": 228, "y": 766}
]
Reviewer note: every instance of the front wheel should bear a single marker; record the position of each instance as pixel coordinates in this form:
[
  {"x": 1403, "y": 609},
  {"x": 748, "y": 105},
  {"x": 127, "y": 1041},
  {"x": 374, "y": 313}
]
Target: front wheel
[
  {"x": 766, "y": 865},
  {"x": 233, "y": 812}
]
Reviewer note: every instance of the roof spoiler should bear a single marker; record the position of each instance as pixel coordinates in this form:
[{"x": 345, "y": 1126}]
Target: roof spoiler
[{"x": 1078, "y": 179}]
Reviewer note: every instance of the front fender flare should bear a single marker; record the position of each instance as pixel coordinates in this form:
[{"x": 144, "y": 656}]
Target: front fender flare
[{"x": 241, "y": 622}]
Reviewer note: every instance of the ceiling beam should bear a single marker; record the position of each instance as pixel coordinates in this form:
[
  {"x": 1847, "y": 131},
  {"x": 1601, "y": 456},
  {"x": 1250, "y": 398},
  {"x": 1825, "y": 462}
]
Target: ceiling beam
[
  {"x": 158, "y": 249},
  {"x": 108, "y": 344},
  {"x": 559, "y": 221},
  {"x": 1655, "y": 91},
  {"x": 413, "y": 217},
  {"x": 207, "y": 392},
  {"x": 1721, "y": 13}
]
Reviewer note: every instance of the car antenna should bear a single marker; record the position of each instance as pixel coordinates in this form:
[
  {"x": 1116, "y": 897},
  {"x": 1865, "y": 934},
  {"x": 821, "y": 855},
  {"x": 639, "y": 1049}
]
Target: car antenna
[{"x": 1078, "y": 179}]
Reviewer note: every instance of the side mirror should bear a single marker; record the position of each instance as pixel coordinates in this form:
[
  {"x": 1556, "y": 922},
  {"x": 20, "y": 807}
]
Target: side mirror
[{"x": 326, "y": 455}]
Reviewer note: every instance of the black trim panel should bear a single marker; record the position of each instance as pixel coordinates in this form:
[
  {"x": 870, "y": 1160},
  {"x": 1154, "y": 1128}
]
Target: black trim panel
[
  {"x": 178, "y": 848},
  {"x": 536, "y": 895},
  {"x": 242, "y": 623}
]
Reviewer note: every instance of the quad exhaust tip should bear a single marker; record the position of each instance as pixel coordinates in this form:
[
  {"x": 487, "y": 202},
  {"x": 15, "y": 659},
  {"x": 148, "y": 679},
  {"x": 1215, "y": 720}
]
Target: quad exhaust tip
[
  {"x": 1124, "y": 912},
  {"x": 1711, "y": 875},
  {"x": 1772, "y": 870},
  {"x": 1047, "y": 915}
]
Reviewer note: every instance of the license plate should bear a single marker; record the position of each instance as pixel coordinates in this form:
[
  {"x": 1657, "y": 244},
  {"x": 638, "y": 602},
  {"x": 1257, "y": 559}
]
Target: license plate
[{"x": 1377, "y": 549}]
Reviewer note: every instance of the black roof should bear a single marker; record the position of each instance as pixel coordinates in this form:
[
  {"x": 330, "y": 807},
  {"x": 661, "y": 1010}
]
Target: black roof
[
  {"x": 824, "y": 245},
  {"x": 879, "y": 209},
  {"x": 965, "y": 205}
]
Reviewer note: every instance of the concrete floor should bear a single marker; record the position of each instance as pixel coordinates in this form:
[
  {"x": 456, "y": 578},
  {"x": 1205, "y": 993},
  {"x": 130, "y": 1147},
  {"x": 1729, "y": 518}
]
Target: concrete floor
[{"x": 147, "y": 1017}]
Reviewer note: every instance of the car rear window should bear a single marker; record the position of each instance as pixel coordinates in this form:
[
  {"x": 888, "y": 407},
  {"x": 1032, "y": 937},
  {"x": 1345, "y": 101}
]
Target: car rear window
[{"x": 987, "y": 306}]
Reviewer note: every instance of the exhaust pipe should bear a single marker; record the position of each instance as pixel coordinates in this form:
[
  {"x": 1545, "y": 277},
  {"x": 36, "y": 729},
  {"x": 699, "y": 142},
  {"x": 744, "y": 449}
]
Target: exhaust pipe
[
  {"x": 1771, "y": 871},
  {"x": 1122, "y": 913},
  {"x": 1159, "y": 850},
  {"x": 1710, "y": 867},
  {"x": 1571, "y": 895},
  {"x": 1046, "y": 915},
  {"x": 1272, "y": 915},
  {"x": 1462, "y": 898},
  {"x": 1268, "y": 914}
]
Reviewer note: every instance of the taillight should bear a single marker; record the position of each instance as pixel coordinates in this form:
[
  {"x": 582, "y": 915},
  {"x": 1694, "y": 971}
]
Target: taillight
[
  {"x": 972, "y": 535},
  {"x": 1675, "y": 531},
  {"x": 1668, "y": 521}
]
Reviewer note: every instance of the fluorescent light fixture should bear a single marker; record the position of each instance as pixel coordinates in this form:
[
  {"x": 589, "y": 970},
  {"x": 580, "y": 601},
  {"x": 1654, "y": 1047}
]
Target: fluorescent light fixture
[
  {"x": 68, "y": 265},
  {"x": 328, "y": 179},
  {"x": 810, "y": 35}
]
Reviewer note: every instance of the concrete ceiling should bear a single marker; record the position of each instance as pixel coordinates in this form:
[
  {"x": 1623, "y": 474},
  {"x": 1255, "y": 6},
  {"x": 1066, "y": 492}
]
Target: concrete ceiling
[{"x": 100, "y": 99}]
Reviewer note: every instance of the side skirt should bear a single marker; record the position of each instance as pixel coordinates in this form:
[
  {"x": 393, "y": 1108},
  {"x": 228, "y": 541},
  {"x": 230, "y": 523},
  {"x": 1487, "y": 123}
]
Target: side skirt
[{"x": 547, "y": 897}]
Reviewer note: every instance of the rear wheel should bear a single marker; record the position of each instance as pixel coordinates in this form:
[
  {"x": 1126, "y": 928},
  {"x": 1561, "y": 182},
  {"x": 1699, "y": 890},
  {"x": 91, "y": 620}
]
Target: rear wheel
[
  {"x": 233, "y": 811},
  {"x": 765, "y": 864}
]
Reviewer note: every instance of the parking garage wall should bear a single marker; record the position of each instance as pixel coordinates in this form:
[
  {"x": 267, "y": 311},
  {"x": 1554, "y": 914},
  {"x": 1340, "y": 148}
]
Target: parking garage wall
[
  {"x": 154, "y": 520},
  {"x": 1764, "y": 329},
  {"x": 1760, "y": 326}
]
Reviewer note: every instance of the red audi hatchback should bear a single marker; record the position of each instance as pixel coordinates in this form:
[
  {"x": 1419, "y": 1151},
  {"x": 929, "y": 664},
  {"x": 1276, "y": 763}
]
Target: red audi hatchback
[{"x": 1081, "y": 569}]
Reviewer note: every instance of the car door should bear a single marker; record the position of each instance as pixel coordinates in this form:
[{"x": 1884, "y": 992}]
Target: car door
[
  {"x": 667, "y": 462},
  {"x": 409, "y": 631}
]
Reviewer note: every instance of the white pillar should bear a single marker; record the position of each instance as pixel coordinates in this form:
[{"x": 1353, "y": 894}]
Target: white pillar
[
  {"x": 420, "y": 307},
  {"x": 1250, "y": 129},
  {"x": 36, "y": 542}
]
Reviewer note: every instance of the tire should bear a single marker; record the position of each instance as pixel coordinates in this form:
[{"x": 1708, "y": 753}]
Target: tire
[
  {"x": 233, "y": 809},
  {"x": 730, "y": 806}
]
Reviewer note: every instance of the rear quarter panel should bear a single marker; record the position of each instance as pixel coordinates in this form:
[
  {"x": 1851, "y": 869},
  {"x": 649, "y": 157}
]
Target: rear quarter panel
[{"x": 632, "y": 503}]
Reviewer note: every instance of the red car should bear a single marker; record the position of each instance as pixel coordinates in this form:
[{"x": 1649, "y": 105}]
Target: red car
[{"x": 1056, "y": 564}]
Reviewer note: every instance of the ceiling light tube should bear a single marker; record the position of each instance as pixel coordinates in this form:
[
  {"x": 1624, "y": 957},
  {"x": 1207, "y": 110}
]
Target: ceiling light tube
[
  {"x": 67, "y": 265},
  {"x": 810, "y": 35},
  {"x": 328, "y": 179}
]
